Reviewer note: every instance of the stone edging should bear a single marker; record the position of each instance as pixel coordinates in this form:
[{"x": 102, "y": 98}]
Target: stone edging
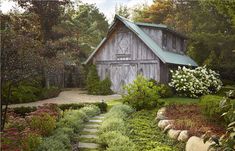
[{"x": 193, "y": 143}]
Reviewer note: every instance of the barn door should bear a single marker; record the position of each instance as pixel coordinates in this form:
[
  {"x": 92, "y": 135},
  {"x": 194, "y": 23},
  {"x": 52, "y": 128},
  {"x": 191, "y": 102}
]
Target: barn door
[{"x": 122, "y": 74}]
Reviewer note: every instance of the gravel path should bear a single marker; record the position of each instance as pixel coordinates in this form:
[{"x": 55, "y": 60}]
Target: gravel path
[{"x": 72, "y": 96}]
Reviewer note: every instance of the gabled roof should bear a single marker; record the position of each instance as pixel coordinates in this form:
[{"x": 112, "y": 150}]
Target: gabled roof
[{"x": 164, "y": 56}]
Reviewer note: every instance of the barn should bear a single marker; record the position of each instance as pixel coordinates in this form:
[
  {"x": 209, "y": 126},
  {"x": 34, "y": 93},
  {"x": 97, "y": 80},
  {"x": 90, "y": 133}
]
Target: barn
[{"x": 132, "y": 48}]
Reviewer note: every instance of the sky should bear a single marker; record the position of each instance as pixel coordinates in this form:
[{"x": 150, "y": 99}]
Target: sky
[{"x": 105, "y": 6}]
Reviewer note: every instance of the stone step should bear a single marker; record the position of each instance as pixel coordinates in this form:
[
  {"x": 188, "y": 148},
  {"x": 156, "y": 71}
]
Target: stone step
[
  {"x": 92, "y": 130},
  {"x": 88, "y": 136},
  {"x": 95, "y": 121},
  {"x": 92, "y": 125},
  {"x": 88, "y": 145},
  {"x": 99, "y": 117}
]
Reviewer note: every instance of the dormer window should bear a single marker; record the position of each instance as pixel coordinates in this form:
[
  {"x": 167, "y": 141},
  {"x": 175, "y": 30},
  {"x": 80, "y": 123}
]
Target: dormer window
[
  {"x": 164, "y": 40},
  {"x": 174, "y": 42}
]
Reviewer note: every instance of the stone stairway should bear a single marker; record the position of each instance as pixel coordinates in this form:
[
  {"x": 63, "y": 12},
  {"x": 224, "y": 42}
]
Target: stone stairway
[{"x": 88, "y": 137}]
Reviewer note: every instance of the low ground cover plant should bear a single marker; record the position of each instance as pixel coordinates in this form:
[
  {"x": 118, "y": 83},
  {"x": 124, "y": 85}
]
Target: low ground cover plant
[
  {"x": 113, "y": 133},
  {"x": 141, "y": 94},
  {"x": 147, "y": 136},
  {"x": 195, "y": 82}
]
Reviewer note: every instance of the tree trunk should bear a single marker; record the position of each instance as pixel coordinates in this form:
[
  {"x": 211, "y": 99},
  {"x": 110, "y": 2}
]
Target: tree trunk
[{"x": 3, "y": 115}]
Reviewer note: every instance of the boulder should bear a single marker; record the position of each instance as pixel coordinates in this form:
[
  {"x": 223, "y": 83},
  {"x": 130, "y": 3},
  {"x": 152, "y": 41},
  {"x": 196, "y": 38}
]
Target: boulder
[
  {"x": 168, "y": 127},
  {"x": 183, "y": 136},
  {"x": 173, "y": 133},
  {"x": 160, "y": 117},
  {"x": 163, "y": 123},
  {"x": 196, "y": 144}
]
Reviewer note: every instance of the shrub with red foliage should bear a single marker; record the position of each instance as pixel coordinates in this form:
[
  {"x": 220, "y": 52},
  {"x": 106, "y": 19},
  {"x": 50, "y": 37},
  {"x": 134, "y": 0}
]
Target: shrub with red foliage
[{"x": 25, "y": 133}]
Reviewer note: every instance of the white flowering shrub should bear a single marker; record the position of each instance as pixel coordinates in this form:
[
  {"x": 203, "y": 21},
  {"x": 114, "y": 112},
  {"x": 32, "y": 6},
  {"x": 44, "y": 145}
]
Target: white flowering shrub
[{"x": 195, "y": 82}]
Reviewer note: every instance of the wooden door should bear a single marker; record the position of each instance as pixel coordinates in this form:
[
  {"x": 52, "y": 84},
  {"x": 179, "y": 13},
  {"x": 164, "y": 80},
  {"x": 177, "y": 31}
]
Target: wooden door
[{"x": 122, "y": 74}]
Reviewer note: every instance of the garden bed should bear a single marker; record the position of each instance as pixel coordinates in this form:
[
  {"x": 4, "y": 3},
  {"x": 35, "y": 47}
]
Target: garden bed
[
  {"x": 147, "y": 136},
  {"x": 189, "y": 117}
]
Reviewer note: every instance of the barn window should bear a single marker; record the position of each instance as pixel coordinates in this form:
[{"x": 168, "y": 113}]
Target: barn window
[
  {"x": 174, "y": 42},
  {"x": 164, "y": 39}
]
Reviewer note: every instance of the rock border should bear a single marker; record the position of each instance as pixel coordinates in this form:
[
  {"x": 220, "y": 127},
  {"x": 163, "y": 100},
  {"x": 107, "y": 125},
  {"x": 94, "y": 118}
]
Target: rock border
[{"x": 193, "y": 143}]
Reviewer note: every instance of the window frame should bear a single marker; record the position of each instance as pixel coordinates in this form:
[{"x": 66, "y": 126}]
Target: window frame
[{"x": 164, "y": 40}]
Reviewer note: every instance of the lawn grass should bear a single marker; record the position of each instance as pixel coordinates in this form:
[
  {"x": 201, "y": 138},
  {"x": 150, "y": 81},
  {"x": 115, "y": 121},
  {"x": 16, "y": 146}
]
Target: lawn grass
[
  {"x": 179, "y": 100},
  {"x": 147, "y": 136},
  {"x": 112, "y": 103}
]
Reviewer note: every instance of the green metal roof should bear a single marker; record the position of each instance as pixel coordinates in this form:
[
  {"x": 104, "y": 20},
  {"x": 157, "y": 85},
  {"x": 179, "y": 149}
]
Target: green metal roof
[{"x": 164, "y": 56}]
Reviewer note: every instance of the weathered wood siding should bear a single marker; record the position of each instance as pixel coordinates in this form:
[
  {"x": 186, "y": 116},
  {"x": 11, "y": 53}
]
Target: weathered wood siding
[
  {"x": 123, "y": 56},
  {"x": 154, "y": 33}
]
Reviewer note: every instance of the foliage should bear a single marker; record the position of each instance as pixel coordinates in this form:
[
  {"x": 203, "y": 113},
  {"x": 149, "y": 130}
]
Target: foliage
[
  {"x": 147, "y": 136},
  {"x": 93, "y": 81},
  {"x": 123, "y": 11},
  {"x": 43, "y": 124},
  {"x": 209, "y": 106},
  {"x": 116, "y": 141},
  {"x": 23, "y": 110},
  {"x": 226, "y": 141},
  {"x": 105, "y": 87},
  {"x": 71, "y": 122},
  {"x": 73, "y": 119},
  {"x": 141, "y": 94},
  {"x": 90, "y": 110},
  {"x": 113, "y": 131},
  {"x": 211, "y": 40},
  {"x": 50, "y": 92},
  {"x": 195, "y": 82},
  {"x": 165, "y": 91},
  {"x": 95, "y": 86},
  {"x": 31, "y": 141},
  {"x": 102, "y": 106}
]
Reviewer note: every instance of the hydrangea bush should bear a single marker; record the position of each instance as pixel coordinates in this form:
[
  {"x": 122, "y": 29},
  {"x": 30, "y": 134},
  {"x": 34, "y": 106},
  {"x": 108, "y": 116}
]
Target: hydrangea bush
[{"x": 195, "y": 82}]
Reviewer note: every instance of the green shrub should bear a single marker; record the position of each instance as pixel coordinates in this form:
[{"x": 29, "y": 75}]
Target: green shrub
[
  {"x": 141, "y": 94},
  {"x": 116, "y": 142},
  {"x": 24, "y": 93},
  {"x": 44, "y": 124},
  {"x": 31, "y": 142},
  {"x": 113, "y": 124},
  {"x": 165, "y": 91},
  {"x": 95, "y": 86},
  {"x": 105, "y": 87},
  {"x": 22, "y": 111},
  {"x": 56, "y": 143},
  {"x": 103, "y": 106},
  {"x": 91, "y": 110},
  {"x": 113, "y": 131},
  {"x": 73, "y": 119},
  {"x": 93, "y": 81},
  {"x": 210, "y": 106},
  {"x": 51, "y": 92},
  {"x": 71, "y": 106}
]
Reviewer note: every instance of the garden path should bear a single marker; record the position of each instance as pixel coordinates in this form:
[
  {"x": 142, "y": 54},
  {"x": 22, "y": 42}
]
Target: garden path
[
  {"x": 72, "y": 96},
  {"x": 88, "y": 137}
]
